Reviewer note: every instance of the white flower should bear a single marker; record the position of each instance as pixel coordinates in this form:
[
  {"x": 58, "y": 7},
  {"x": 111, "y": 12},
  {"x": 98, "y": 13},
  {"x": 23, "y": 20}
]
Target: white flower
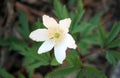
[{"x": 55, "y": 35}]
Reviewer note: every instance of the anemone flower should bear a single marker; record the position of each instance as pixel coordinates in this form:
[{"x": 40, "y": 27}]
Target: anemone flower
[{"x": 56, "y": 36}]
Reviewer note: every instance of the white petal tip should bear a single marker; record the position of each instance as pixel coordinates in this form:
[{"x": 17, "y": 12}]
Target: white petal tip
[
  {"x": 60, "y": 62},
  {"x": 45, "y": 16},
  {"x": 69, "y": 19},
  {"x": 75, "y": 46},
  {"x": 40, "y": 52},
  {"x": 32, "y": 37},
  {"x": 39, "y": 35}
]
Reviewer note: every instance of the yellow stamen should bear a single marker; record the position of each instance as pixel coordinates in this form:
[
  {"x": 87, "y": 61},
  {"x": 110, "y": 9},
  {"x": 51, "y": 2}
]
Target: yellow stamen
[{"x": 56, "y": 35}]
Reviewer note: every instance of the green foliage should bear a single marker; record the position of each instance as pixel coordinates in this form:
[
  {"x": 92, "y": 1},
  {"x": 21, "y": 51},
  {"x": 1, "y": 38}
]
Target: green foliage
[
  {"x": 60, "y": 10},
  {"x": 112, "y": 42},
  {"x": 80, "y": 28},
  {"x": 54, "y": 62},
  {"x": 90, "y": 39},
  {"x": 94, "y": 22},
  {"x": 102, "y": 36},
  {"x": 62, "y": 72},
  {"x": 85, "y": 42},
  {"x": 113, "y": 57},
  {"x": 86, "y": 34},
  {"x": 72, "y": 3},
  {"x": 31, "y": 64},
  {"x": 87, "y": 25},
  {"x": 5, "y": 74},
  {"x": 31, "y": 67},
  {"x": 23, "y": 28},
  {"x": 73, "y": 59},
  {"x": 20, "y": 75},
  {"x": 77, "y": 17},
  {"x": 115, "y": 43},
  {"x": 83, "y": 47},
  {"x": 114, "y": 32},
  {"x": 32, "y": 60},
  {"x": 31, "y": 53},
  {"x": 90, "y": 72},
  {"x": 86, "y": 71},
  {"x": 37, "y": 25}
]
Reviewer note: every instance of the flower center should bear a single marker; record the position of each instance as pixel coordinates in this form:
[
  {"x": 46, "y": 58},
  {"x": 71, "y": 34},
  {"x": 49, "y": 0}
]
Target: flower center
[{"x": 56, "y": 35}]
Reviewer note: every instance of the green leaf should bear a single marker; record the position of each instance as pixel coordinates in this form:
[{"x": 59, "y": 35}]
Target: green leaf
[
  {"x": 96, "y": 19},
  {"x": 77, "y": 16},
  {"x": 115, "y": 43},
  {"x": 54, "y": 62},
  {"x": 5, "y": 74},
  {"x": 24, "y": 27},
  {"x": 30, "y": 52},
  {"x": 91, "y": 72},
  {"x": 10, "y": 40},
  {"x": 20, "y": 75},
  {"x": 94, "y": 22},
  {"x": 80, "y": 5},
  {"x": 60, "y": 10},
  {"x": 83, "y": 47},
  {"x": 74, "y": 59},
  {"x": 80, "y": 74},
  {"x": 113, "y": 57},
  {"x": 114, "y": 32},
  {"x": 62, "y": 72},
  {"x": 31, "y": 67},
  {"x": 38, "y": 25},
  {"x": 27, "y": 61},
  {"x": 102, "y": 35},
  {"x": 23, "y": 20},
  {"x": 34, "y": 65},
  {"x": 91, "y": 39},
  {"x": 80, "y": 28},
  {"x": 72, "y": 3}
]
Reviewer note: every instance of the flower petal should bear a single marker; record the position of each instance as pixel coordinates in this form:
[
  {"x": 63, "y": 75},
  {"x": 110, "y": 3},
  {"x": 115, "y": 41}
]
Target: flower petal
[
  {"x": 60, "y": 52},
  {"x": 46, "y": 46},
  {"x": 39, "y": 35},
  {"x": 65, "y": 24},
  {"x": 70, "y": 41},
  {"x": 49, "y": 21}
]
